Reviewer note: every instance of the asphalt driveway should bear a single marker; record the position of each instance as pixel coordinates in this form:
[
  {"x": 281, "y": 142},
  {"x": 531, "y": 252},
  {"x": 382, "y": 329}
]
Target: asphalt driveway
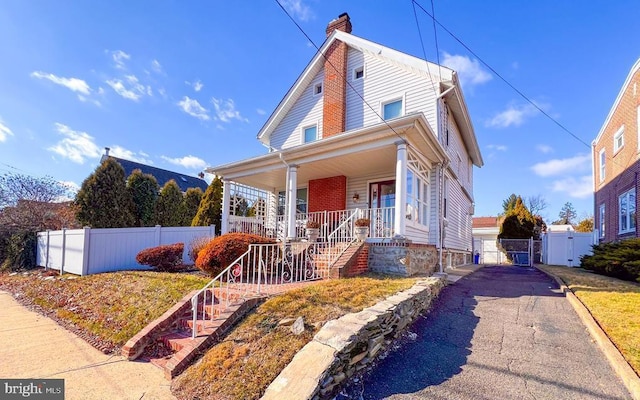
[{"x": 502, "y": 332}]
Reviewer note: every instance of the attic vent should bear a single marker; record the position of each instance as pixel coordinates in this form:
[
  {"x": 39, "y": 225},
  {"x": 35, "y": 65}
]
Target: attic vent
[{"x": 183, "y": 178}]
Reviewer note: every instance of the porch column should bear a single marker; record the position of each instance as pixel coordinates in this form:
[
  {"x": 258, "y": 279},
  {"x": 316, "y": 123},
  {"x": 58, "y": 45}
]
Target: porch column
[
  {"x": 226, "y": 200},
  {"x": 292, "y": 185},
  {"x": 401, "y": 189}
]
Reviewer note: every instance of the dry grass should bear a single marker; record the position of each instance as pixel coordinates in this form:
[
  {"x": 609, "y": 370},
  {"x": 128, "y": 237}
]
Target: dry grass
[
  {"x": 615, "y": 305},
  {"x": 254, "y": 353},
  {"x": 109, "y": 307}
]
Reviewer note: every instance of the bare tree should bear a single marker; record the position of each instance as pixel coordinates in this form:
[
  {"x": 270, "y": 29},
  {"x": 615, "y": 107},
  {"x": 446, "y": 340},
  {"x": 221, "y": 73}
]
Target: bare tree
[{"x": 536, "y": 204}]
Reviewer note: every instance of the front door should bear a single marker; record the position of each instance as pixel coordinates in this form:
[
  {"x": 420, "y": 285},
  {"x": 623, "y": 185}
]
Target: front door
[{"x": 382, "y": 199}]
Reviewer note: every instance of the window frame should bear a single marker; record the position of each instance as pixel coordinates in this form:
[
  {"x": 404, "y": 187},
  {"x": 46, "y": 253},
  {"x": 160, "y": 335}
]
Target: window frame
[
  {"x": 392, "y": 100},
  {"x": 602, "y": 158},
  {"x": 618, "y": 137},
  {"x": 417, "y": 208},
  {"x": 629, "y": 218},
  {"x": 304, "y": 133},
  {"x": 601, "y": 219},
  {"x": 355, "y": 70},
  {"x": 317, "y": 86}
]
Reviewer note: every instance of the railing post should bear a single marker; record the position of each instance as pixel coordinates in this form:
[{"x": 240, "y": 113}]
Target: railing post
[
  {"x": 259, "y": 268},
  {"x": 194, "y": 315}
]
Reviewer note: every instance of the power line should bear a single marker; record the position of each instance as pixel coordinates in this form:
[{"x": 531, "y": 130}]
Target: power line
[
  {"x": 424, "y": 52},
  {"x": 435, "y": 21}
]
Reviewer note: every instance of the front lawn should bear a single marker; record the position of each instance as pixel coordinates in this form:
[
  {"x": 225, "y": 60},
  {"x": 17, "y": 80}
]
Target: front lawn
[
  {"x": 105, "y": 309},
  {"x": 254, "y": 353},
  {"x": 614, "y": 304}
]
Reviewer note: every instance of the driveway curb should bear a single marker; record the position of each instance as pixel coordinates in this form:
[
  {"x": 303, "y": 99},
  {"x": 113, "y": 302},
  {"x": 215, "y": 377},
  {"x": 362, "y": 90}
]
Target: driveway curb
[{"x": 617, "y": 361}]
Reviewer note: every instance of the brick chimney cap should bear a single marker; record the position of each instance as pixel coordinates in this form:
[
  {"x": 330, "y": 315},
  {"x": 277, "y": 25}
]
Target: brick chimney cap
[{"x": 342, "y": 23}]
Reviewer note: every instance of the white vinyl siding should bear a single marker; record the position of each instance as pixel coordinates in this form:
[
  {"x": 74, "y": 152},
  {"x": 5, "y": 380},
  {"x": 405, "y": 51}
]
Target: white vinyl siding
[
  {"x": 458, "y": 228},
  {"x": 457, "y": 152},
  {"x": 382, "y": 81},
  {"x": 306, "y": 111}
]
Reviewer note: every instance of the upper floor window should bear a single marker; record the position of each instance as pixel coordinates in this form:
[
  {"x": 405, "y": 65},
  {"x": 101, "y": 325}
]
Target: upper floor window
[
  {"x": 602, "y": 160},
  {"x": 310, "y": 133},
  {"x": 601, "y": 219},
  {"x": 627, "y": 211},
  {"x": 317, "y": 89},
  {"x": 392, "y": 109},
  {"x": 358, "y": 72},
  {"x": 618, "y": 139}
]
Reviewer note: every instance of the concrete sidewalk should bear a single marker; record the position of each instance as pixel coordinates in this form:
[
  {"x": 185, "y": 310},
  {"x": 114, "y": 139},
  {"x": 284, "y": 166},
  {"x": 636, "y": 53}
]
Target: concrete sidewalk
[{"x": 34, "y": 346}]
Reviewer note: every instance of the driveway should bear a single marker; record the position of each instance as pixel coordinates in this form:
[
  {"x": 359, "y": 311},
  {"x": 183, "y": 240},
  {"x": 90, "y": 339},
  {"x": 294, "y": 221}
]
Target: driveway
[
  {"x": 502, "y": 332},
  {"x": 35, "y": 347}
]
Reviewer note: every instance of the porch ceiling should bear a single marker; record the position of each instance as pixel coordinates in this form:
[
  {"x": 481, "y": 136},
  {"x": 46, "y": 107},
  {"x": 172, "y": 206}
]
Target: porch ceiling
[{"x": 359, "y": 153}]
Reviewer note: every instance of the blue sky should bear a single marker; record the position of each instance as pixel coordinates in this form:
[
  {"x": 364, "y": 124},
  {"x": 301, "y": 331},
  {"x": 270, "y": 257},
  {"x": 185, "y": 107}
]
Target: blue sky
[{"x": 185, "y": 85}]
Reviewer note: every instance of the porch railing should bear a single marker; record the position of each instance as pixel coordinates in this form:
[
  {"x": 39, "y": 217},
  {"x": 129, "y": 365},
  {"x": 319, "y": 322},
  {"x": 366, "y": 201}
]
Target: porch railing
[
  {"x": 264, "y": 268},
  {"x": 331, "y": 223}
]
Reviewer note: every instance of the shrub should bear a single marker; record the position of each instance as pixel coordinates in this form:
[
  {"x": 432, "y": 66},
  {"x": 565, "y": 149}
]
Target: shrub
[
  {"x": 166, "y": 258},
  {"x": 313, "y": 224},
  {"x": 362, "y": 222},
  {"x": 219, "y": 253},
  {"x": 618, "y": 259},
  {"x": 20, "y": 251},
  {"x": 196, "y": 245}
]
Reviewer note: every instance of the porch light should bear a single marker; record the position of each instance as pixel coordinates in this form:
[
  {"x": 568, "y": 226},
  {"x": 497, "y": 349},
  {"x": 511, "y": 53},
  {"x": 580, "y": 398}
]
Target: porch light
[{"x": 356, "y": 197}]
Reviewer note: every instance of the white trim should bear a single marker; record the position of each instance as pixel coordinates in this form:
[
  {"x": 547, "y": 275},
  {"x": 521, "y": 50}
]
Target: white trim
[
  {"x": 616, "y": 136},
  {"x": 390, "y": 100},
  {"x": 628, "y": 217},
  {"x": 601, "y": 219},
  {"x": 355, "y": 69},
  {"x": 315, "y": 89},
  {"x": 638, "y": 127},
  {"x": 303, "y": 133}
]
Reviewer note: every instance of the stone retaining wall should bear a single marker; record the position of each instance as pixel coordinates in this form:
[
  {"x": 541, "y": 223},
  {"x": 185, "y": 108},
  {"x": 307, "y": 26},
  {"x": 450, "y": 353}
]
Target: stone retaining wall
[
  {"x": 348, "y": 344},
  {"x": 402, "y": 258}
]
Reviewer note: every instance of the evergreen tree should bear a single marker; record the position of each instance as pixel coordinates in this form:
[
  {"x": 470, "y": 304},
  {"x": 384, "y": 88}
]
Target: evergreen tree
[
  {"x": 143, "y": 189},
  {"x": 509, "y": 203},
  {"x": 189, "y": 206},
  {"x": 518, "y": 223},
  {"x": 103, "y": 200},
  {"x": 168, "y": 205},
  {"x": 210, "y": 210},
  {"x": 567, "y": 215}
]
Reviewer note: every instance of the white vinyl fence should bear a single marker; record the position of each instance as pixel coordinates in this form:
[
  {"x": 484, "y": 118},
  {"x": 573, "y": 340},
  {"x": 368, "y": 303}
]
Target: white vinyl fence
[
  {"x": 91, "y": 251},
  {"x": 566, "y": 248}
]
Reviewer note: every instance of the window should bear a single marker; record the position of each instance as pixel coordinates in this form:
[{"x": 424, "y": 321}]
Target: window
[
  {"x": 602, "y": 164},
  {"x": 445, "y": 196},
  {"x": 601, "y": 219},
  {"x": 358, "y": 73},
  {"x": 310, "y": 134},
  {"x": 417, "y": 196},
  {"x": 627, "y": 211},
  {"x": 301, "y": 201},
  {"x": 392, "y": 109},
  {"x": 618, "y": 139},
  {"x": 317, "y": 89}
]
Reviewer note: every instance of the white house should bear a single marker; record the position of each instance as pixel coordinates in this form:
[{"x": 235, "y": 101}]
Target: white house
[{"x": 364, "y": 132}]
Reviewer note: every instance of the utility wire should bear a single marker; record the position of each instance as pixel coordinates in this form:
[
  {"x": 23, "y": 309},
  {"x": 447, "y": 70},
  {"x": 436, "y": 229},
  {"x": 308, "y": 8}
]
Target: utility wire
[
  {"x": 435, "y": 35},
  {"x": 424, "y": 52},
  {"x": 435, "y": 21}
]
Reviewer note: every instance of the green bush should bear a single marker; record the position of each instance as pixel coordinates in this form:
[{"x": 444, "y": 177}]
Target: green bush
[
  {"x": 20, "y": 251},
  {"x": 166, "y": 258},
  {"x": 223, "y": 250},
  {"x": 617, "y": 259}
]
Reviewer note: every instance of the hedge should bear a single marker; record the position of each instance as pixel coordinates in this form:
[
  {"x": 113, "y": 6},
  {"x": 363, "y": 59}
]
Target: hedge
[
  {"x": 220, "y": 252},
  {"x": 167, "y": 258},
  {"x": 617, "y": 259}
]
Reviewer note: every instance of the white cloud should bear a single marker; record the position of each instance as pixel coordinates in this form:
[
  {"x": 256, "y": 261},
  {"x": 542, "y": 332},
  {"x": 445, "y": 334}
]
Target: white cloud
[
  {"x": 543, "y": 148},
  {"x": 193, "y": 108},
  {"x": 298, "y": 9},
  {"x": 121, "y": 152},
  {"x": 260, "y": 111},
  {"x": 5, "y": 132},
  {"x": 76, "y": 146},
  {"x": 469, "y": 71},
  {"x": 119, "y": 58},
  {"x": 225, "y": 110},
  {"x": 155, "y": 64},
  {"x": 73, "y": 84},
  {"x": 130, "y": 89},
  {"x": 197, "y": 85},
  {"x": 73, "y": 189},
  {"x": 498, "y": 147},
  {"x": 580, "y": 162},
  {"x": 513, "y": 115},
  {"x": 191, "y": 162},
  {"x": 579, "y": 188}
]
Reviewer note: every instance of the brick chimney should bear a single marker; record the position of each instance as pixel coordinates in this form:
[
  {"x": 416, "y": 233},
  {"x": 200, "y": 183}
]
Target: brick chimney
[{"x": 335, "y": 84}]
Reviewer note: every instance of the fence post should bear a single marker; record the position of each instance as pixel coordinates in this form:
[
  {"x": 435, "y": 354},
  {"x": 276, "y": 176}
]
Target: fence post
[
  {"x": 46, "y": 259},
  {"x": 531, "y": 251},
  {"x": 86, "y": 251},
  {"x": 64, "y": 250},
  {"x": 157, "y": 234},
  {"x": 212, "y": 231}
]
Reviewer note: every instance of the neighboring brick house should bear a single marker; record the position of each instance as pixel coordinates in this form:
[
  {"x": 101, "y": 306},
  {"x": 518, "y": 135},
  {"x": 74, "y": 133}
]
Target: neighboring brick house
[
  {"x": 162, "y": 175},
  {"x": 616, "y": 164},
  {"x": 365, "y": 131}
]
